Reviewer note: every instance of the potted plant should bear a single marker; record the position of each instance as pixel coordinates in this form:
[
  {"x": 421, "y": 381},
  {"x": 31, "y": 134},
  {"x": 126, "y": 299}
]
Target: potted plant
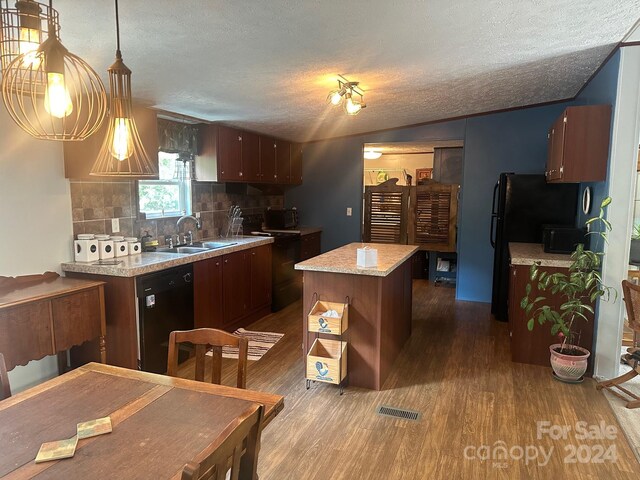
[{"x": 579, "y": 288}]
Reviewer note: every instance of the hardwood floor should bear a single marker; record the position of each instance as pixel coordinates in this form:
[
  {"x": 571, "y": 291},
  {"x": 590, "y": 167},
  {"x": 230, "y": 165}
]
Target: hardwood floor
[{"x": 456, "y": 370}]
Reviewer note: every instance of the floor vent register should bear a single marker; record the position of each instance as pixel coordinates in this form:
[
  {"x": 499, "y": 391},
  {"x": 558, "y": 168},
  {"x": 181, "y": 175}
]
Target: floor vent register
[{"x": 401, "y": 413}]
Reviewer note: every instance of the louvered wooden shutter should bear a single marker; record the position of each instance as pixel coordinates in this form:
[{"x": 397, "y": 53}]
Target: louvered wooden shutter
[
  {"x": 385, "y": 214},
  {"x": 434, "y": 217}
]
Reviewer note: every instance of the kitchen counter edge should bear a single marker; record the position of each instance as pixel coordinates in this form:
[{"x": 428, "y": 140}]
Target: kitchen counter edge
[
  {"x": 330, "y": 263},
  {"x": 528, "y": 253},
  {"x": 149, "y": 262}
]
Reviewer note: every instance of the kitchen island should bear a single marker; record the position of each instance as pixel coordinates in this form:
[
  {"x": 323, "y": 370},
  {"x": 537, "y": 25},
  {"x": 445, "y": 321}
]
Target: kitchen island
[{"x": 379, "y": 305}]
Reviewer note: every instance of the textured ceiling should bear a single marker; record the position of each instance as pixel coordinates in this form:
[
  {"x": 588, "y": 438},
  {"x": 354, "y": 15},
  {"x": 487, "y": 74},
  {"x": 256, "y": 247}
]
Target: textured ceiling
[{"x": 268, "y": 66}]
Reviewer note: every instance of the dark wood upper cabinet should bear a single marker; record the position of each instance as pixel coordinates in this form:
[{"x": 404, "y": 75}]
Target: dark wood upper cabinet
[
  {"x": 283, "y": 161},
  {"x": 229, "y": 154},
  {"x": 251, "y": 157},
  {"x": 79, "y": 157},
  {"x": 232, "y": 155},
  {"x": 578, "y": 145},
  {"x": 296, "y": 164},
  {"x": 267, "y": 159}
]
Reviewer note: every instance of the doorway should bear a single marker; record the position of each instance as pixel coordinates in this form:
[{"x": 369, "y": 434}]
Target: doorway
[{"x": 410, "y": 196}]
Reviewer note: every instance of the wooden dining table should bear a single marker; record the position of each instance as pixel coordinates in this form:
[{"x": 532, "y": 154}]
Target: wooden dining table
[{"x": 159, "y": 423}]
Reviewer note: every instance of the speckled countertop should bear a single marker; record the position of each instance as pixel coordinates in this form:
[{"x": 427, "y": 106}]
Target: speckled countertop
[
  {"x": 343, "y": 259},
  {"x": 301, "y": 230},
  {"x": 527, "y": 253},
  {"x": 147, "y": 262}
]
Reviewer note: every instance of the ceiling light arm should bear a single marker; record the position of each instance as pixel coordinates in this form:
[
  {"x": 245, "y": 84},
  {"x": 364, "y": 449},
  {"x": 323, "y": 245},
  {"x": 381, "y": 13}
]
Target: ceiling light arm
[
  {"x": 118, "y": 52},
  {"x": 345, "y": 96}
]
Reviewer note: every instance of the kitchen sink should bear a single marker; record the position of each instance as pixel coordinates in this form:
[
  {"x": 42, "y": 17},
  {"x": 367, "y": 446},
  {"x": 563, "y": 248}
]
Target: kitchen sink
[
  {"x": 214, "y": 245},
  {"x": 197, "y": 247},
  {"x": 188, "y": 250}
]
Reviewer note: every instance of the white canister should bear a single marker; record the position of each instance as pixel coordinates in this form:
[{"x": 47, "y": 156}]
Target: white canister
[
  {"x": 86, "y": 250},
  {"x": 121, "y": 248},
  {"x": 106, "y": 249},
  {"x": 134, "y": 245}
]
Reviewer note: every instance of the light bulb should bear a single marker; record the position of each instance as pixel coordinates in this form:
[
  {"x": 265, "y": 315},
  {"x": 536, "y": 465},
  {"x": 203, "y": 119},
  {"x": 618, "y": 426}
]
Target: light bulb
[
  {"x": 335, "y": 98},
  {"x": 372, "y": 154},
  {"x": 351, "y": 107},
  {"x": 29, "y": 31},
  {"x": 122, "y": 143},
  {"x": 57, "y": 101},
  {"x": 28, "y": 46}
]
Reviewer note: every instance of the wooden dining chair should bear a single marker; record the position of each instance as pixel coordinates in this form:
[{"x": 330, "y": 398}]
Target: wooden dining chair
[
  {"x": 203, "y": 339},
  {"x": 631, "y": 293},
  {"x": 5, "y": 388},
  {"x": 237, "y": 446}
]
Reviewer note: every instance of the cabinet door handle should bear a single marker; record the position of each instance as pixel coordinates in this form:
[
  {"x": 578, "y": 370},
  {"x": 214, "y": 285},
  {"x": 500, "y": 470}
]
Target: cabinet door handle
[
  {"x": 240, "y": 173},
  {"x": 226, "y": 261},
  {"x": 217, "y": 264}
]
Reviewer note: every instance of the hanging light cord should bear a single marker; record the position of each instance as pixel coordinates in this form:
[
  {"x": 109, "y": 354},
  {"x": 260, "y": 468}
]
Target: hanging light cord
[{"x": 118, "y": 53}]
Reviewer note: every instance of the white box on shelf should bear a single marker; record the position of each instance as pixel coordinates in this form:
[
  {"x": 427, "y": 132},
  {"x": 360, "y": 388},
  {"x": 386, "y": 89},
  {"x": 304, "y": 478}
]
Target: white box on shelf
[
  {"x": 106, "y": 249},
  {"x": 121, "y": 248},
  {"x": 86, "y": 250},
  {"x": 367, "y": 257}
]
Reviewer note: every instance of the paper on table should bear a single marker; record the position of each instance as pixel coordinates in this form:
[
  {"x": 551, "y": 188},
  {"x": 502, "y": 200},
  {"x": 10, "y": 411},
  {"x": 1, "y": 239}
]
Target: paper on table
[
  {"x": 92, "y": 428},
  {"x": 56, "y": 450}
]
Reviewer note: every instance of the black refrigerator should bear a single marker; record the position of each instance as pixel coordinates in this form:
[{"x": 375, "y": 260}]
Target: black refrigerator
[{"x": 522, "y": 204}]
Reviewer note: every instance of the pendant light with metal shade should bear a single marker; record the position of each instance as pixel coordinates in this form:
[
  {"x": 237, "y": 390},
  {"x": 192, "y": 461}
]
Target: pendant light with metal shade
[
  {"x": 122, "y": 153},
  {"x": 50, "y": 93},
  {"x": 21, "y": 29}
]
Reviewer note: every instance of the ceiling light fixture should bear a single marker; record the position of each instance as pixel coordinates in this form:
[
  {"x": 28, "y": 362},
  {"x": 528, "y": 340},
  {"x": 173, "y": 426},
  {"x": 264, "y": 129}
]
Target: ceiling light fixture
[
  {"x": 21, "y": 30},
  {"x": 122, "y": 153},
  {"x": 344, "y": 95},
  {"x": 49, "y": 92},
  {"x": 370, "y": 154}
]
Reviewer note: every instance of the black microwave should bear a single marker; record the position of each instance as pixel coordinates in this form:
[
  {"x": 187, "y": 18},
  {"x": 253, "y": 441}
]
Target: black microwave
[
  {"x": 280, "y": 218},
  {"x": 563, "y": 238}
]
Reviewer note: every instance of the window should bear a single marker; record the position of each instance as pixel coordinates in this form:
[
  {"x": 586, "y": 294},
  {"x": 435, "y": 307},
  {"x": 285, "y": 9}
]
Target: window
[{"x": 168, "y": 196}]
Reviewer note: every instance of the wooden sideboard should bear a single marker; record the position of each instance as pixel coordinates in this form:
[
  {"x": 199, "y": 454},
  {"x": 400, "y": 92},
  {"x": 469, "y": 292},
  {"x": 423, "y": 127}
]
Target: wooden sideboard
[{"x": 47, "y": 314}]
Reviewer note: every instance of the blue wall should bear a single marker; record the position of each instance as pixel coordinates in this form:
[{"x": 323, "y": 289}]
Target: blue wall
[
  {"x": 333, "y": 173},
  {"x": 504, "y": 142},
  {"x": 513, "y": 141}
]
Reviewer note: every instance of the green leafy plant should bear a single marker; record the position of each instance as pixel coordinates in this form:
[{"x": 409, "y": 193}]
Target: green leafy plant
[
  {"x": 635, "y": 234},
  {"x": 579, "y": 288}
]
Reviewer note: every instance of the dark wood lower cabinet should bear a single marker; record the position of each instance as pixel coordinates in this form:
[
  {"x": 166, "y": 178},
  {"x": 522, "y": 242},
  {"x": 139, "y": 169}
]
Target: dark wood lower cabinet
[
  {"x": 233, "y": 290},
  {"x": 207, "y": 293},
  {"x": 532, "y": 347},
  {"x": 235, "y": 287},
  {"x": 310, "y": 246},
  {"x": 260, "y": 276}
]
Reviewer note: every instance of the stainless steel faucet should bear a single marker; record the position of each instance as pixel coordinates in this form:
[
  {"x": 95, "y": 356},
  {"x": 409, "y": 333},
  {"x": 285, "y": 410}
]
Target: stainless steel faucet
[{"x": 189, "y": 217}]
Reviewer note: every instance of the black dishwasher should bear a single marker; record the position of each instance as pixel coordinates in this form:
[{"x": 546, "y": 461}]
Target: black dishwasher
[{"x": 165, "y": 303}]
